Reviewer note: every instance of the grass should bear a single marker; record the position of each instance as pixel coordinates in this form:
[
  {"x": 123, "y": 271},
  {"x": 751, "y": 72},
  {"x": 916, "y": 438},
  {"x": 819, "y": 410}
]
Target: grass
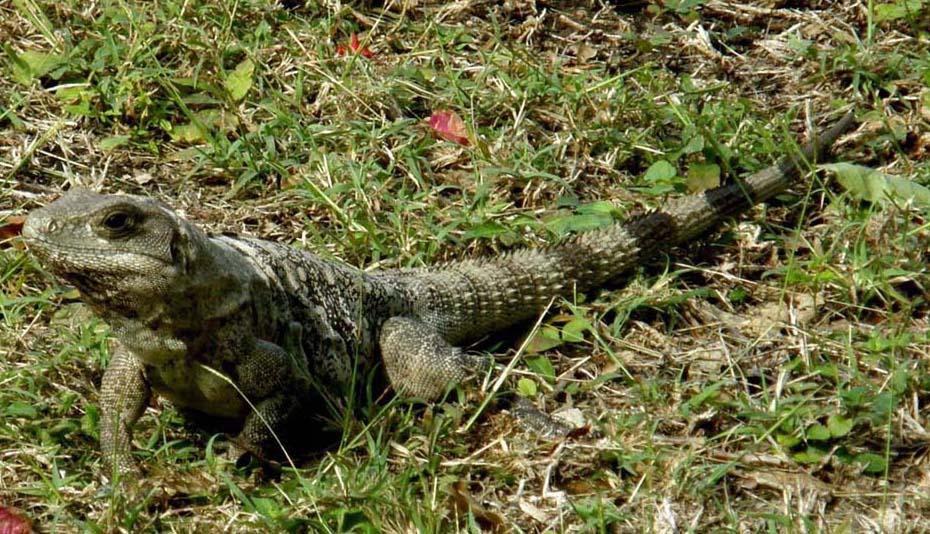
[{"x": 772, "y": 377}]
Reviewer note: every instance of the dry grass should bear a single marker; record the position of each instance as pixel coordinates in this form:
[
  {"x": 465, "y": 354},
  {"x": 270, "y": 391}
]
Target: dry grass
[{"x": 772, "y": 377}]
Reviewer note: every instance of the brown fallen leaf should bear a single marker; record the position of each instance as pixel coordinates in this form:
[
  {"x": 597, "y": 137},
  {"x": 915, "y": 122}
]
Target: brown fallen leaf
[
  {"x": 464, "y": 503},
  {"x": 783, "y": 480}
]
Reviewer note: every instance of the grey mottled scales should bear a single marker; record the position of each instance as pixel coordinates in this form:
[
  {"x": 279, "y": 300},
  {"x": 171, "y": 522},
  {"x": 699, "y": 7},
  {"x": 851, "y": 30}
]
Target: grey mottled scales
[{"x": 280, "y": 323}]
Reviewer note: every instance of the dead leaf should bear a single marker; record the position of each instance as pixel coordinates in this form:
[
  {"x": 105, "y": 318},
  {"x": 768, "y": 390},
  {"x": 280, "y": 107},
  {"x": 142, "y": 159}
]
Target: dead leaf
[
  {"x": 784, "y": 481},
  {"x": 585, "y": 53},
  {"x": 464, "y": 503},
  {"x": 574, "y": 418},
  {"x": 531, "y": 510},
  {"x": 143, "y": 178},
  {"x": 449, "y": 126}
]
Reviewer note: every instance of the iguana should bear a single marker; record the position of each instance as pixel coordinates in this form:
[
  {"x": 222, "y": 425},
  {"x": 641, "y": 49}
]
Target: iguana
[{"x": 243, "y": 330}]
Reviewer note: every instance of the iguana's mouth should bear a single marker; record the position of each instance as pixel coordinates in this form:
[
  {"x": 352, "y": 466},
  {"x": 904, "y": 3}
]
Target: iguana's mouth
[{"x": 64, "y": 254}]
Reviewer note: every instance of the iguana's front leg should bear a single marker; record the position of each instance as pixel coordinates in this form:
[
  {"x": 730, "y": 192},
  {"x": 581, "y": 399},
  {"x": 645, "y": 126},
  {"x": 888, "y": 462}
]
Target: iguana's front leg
[
  {"x": 124, "y": 394},
  {"x": 420, "y": 363},
  {"x": 276, "y": 384}
]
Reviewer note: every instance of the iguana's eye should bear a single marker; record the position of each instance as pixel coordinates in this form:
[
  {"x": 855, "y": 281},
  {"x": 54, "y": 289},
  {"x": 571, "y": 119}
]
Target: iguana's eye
[{"x": 117, "y": 221}]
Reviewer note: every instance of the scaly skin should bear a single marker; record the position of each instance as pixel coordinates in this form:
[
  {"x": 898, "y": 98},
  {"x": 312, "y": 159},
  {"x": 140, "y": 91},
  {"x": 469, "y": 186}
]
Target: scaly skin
[{"x": 285, "y": 326}]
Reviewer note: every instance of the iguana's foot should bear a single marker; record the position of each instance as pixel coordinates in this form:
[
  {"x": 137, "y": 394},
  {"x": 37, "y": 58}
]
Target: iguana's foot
[
  {"x": 420, "y": 363},
  {"x": 537, "y": 421}
]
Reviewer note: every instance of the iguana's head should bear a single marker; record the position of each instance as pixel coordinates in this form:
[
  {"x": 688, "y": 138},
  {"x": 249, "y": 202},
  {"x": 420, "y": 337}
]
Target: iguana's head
[{"x": 115, "y": 249}]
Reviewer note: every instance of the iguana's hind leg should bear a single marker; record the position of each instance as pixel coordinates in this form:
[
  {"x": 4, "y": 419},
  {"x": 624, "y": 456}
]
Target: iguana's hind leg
[{"x": 420, "y": 363}]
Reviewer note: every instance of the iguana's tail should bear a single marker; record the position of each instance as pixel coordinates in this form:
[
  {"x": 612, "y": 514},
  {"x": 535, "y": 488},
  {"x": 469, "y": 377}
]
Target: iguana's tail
[{"x": 472, "y": 298}]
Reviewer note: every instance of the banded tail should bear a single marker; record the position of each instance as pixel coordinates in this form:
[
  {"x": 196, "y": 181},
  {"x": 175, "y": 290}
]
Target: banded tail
[{"x": 472, "y": 298}]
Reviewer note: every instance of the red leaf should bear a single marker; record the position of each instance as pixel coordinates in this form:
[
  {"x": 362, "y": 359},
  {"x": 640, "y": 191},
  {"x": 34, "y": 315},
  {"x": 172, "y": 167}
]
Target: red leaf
[
  {"x": 356, "y": 47},
  {"x": 13, "y": 523},
  {"x": 11, "y": 227},
  {"x": 449, "y": 126}
]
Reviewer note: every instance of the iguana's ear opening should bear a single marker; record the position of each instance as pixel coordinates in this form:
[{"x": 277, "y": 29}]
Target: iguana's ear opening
[{"x": 182, "y": 245}]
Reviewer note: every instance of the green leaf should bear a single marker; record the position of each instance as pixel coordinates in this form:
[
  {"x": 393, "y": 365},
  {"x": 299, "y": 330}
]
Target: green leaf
[
  {"x": 863, "y": 182},
  {"x": 695, "y": 144},
  {"x": 544, "y": 339},
  {"x": 898, "y": 10},
  {"x": 76, "y": 100},
  {"x": 809, "y": 456},
  {"x": 204, "y": 123},
  {"x": 660, "y": 171},
  {"x": 267, "y": 507},
  {"x": 573, "y": 331},
  {"x": 41, "y": 63},
  {"x": 739, "y": 294},
  {"x": 581, "y": 222},
  {"x": 187, "y": 133},
  {"x": 19, "y": 68},
  {"x": 818, "y": 433},
  {"x": 239, "y": 80},
  {"x": 31, "y": 64},
  {"x": 707, "y": 394},
  {"x": 63, "y": 428},
  {"x": 882, "y": 407},
  {"x": 787, "y": 440},
  {"x": 541, "y": 366},
  {"x": 829, "y": 370},
  {"x": 21, "y": 409},
  {"x": 526, "y": 387},
  {"x": 702, "y": 176},
  {"x": 90, "y": 420},
  {"x": 114, "y": 141},
  {"x": 486, "y": 230},
  {"x": 855, "y": 397},
  {"x": 600, "y": 207},
  {"x": 899, "y": 381},
  {"x": 868, "y": 184},
  {"x": 873, "y": 463},
  {"x": 839, "y": 425}
]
